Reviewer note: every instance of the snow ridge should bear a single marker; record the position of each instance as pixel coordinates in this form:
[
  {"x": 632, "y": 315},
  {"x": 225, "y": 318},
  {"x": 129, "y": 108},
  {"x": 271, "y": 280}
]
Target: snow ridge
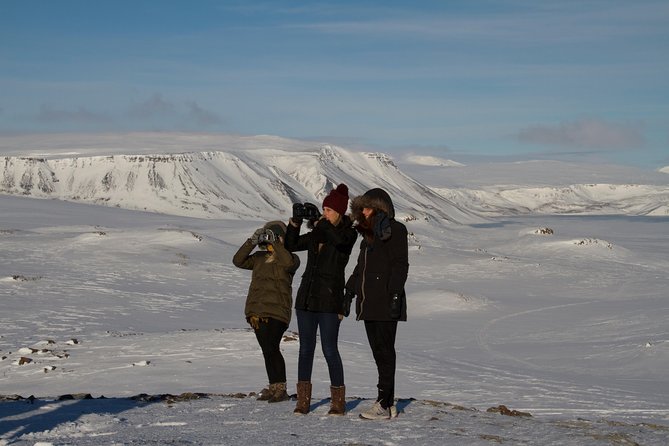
[
  {"x": 577, "y": 199},
  {"x": 232, "y": 177},
  {"x": 261, "y": 183}
]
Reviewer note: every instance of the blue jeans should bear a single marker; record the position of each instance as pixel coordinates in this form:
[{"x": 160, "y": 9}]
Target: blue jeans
[{"x": 308, "y": 323}]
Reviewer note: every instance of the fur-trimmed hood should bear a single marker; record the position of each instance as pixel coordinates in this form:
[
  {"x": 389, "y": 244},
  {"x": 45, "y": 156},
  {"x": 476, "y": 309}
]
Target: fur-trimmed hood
[{"x": 377, "y": 199}]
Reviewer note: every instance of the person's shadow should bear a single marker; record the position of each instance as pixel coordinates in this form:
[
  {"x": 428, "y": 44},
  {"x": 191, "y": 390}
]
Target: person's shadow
[
  {"x": 26, "y": 416},
  {"x": 352, "y": 404}
]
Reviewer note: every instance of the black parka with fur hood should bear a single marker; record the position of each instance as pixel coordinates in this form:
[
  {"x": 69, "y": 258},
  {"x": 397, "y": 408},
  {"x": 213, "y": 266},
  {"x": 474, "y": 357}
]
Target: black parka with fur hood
[{"x": 383, "y": 262}]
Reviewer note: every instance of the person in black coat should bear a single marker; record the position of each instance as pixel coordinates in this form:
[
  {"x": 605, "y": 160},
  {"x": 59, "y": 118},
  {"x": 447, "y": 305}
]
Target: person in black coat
[
  {"x": 320, "y": 302},
  {"x": 378, "y": 282}
]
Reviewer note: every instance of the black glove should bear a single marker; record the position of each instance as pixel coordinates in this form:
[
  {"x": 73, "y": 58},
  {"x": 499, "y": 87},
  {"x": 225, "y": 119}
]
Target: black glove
[
  {"x": 348, "y": 298},
  {"x": 297, "y": 208},
  {"x": 396, "y": 307},
  {"x": 256, "y": 235},
  {"x": 312, "y": 209}
]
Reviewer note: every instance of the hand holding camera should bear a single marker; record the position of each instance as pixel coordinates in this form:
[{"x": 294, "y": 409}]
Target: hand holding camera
[
  {"x": 297, "y": 210},
  {"x": 305, "y": 211},
  {"x": 263, "y": 236},
  {"x": 255, "y": 238}
]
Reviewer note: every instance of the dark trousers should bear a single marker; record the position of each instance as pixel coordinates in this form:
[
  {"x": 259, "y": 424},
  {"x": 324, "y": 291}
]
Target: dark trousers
[
  {"x": 269, "y": 336},
  {"x": 381, "y": 336},
  {"x": 308, "y": 323}
]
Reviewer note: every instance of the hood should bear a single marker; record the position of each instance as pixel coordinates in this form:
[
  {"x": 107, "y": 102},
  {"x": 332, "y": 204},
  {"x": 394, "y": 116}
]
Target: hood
[{"x": 377, "y": 199}]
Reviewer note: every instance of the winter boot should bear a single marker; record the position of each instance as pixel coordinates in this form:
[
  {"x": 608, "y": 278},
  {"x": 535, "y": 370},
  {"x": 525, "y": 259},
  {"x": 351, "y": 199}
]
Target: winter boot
[
  {"x": 278, "y": 393},
  {"x": 337, "y": 400},
  {"x": 303, "y": 397},
  {"x": 264, "y": 394}
]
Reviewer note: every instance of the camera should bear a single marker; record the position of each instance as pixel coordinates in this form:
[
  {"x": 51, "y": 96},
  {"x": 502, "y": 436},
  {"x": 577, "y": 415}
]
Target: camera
[
  {"x": 267, "y": 237},
  {"x": 263, "y": 237},
  {"x": 306, "y": 211}
]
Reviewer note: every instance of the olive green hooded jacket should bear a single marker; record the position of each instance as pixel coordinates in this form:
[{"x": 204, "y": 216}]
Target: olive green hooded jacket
[{"x": 270, "y": 292}]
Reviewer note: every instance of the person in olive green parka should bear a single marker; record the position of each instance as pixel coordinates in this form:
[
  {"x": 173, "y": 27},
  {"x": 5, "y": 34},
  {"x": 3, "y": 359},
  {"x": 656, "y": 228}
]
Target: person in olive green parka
[{"x": 269, "y": 302}]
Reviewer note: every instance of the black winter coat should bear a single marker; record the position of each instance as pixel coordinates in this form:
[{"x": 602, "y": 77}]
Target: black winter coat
[
  {"x": 381, "y": 271},
  {"x": 328, "y": 251}
]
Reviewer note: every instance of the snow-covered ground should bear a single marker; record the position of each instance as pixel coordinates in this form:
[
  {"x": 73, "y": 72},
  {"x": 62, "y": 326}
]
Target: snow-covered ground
[{"x": 562, "y": 317}]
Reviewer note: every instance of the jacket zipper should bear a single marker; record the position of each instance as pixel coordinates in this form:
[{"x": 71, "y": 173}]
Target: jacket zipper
[{"x": 362, "y": 290}]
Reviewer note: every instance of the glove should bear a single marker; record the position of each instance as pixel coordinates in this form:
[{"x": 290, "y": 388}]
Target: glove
[
  {"x": 256, "y": 235},
  {"x": 395, "y": 306},
  {"x": 255, "y": 321},
  {"x": 312, "y": 209},
  {"x": 348, "y": 298},
  {"x": 297, "y": 210}
]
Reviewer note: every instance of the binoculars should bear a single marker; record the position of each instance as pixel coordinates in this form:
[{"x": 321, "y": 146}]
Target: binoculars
[{"x": 306, "y": 211}]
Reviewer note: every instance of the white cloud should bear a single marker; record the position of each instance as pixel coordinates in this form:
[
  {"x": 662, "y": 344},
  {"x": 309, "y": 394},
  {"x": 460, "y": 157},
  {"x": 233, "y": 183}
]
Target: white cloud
[
  {"x": 81, "y": 115},
  {"x": 154, "y": 106},
  {"x": 585, "y": 133},
  {"x": 159, "y": 108},
  {"x": 201, "y": 116}
]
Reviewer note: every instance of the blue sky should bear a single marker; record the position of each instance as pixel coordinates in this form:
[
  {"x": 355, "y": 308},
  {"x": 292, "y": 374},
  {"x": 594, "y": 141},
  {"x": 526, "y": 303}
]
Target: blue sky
[{"x": 578, "y": 80}]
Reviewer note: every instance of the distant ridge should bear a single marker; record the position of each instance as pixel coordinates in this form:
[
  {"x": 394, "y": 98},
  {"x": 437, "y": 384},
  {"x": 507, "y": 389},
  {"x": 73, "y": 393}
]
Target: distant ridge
[
  {"x": 227, "y": 176},
  {"x": 237, "y": 184}
]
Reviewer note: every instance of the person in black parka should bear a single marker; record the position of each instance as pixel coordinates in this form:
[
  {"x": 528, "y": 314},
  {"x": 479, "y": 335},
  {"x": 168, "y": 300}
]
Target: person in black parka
[
  {"x": 378, "y": 281},
  {"x": 320, "y": 302}
]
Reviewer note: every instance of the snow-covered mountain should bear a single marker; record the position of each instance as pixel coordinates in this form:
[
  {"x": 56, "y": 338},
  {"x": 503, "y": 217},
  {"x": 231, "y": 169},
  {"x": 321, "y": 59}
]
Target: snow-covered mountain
[
  {"x": 548, "y": 187},
  {"x": 427, "y": 160},
  {"x": 241, "y": 177},
  {"x": 260, "y": 183},
  {"x": 591, "y": 199}
]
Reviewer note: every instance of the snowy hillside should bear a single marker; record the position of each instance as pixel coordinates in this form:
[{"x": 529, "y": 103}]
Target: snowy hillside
[
  {"x": 258, "y": 183},
  {"x": 236, "y": 177},
  {"x": 560, "y": 318},
  {"x": 547, "y": 187},
  {"x": 592, "y": 199}
]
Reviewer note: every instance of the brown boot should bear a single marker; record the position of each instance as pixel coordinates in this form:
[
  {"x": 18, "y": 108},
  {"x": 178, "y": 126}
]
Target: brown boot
[
  {"x": 278, "y": 393},
  {"x": 303, "y": 397},
  {"x": 338, "y": 400},
  {"x": 264, "y": 394}
]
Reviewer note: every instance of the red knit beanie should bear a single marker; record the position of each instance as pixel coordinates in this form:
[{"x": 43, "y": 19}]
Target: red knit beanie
[{"x": 337, "y": 199}]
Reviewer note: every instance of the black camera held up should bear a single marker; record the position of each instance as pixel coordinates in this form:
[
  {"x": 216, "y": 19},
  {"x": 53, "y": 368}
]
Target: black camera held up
[{"x": 306, "y": 211}]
